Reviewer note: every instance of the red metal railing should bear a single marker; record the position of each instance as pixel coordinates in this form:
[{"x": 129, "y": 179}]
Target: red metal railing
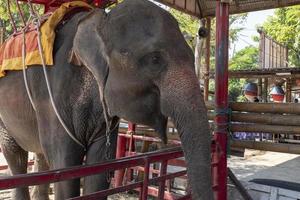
[
  {"x": 125, "y": 140},
  {"x": 81, "y": 171}
]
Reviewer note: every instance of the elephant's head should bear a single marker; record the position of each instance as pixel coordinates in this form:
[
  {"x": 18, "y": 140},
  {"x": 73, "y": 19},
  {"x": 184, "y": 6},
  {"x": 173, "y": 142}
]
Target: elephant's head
[{"x": 145, "y": 70}]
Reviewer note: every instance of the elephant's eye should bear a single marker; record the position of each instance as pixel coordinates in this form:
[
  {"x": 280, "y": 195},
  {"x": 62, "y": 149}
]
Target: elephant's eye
[
  {"x": 151, "y": 60},
  {"x": 156, "y": 59}
]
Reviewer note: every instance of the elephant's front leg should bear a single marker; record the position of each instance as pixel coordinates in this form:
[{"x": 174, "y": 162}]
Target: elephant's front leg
[
  {"x": 62, "y": 152},
  {"x": 67, "y": 157},
  {"x": 96, "y": 154}
]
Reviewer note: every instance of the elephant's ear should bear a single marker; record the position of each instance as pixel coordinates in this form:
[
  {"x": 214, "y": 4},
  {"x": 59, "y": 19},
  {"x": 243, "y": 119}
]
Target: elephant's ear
[
  {"x": 74, "y": 59},
  {"x": 89, "y": 50}
]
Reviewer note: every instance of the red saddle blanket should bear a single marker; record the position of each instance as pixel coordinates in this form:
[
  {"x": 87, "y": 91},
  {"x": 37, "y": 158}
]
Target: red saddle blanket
[{"x": 11, "y": 57}]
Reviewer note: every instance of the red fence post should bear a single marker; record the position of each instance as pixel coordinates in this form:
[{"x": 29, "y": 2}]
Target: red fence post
[
  {"x": 162, "y": 184},
  {"x": 131, "y": 147},
  {"x": 221, "y": 98},
  {"x": 144, "y": 191},
  {"x": 121, "y": 150}
]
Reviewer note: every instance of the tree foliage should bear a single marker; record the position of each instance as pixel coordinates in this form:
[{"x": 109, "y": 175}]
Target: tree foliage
[
  {"x": 284, "y": 27},
  {"x": 4, "y": 15},
  {"x": 246, "y": 58},
  {"x": 189, "y": 26}
]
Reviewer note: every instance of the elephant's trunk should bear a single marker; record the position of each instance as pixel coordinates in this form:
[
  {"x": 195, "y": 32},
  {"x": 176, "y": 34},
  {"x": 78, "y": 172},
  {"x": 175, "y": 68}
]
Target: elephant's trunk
[{"x": 182, "y": 101}]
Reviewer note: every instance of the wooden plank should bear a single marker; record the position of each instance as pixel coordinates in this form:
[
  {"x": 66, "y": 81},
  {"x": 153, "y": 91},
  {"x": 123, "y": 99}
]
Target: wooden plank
[
  {"x": 267, "y": 146},
  {"x": 289, "y": 108},
  {"x": 270, "y": 119}
]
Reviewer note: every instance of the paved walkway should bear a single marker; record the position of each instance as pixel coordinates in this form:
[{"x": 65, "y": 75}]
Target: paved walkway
[{"x": 266, "y": 165}]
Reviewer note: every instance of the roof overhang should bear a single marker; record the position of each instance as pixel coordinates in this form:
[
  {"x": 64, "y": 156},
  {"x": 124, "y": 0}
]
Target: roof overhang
[{"x": 205, "y": 8}]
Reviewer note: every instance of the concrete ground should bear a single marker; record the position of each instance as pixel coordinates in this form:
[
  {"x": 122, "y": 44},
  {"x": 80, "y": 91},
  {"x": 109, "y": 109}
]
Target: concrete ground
[{"x": 266, "y": 165}]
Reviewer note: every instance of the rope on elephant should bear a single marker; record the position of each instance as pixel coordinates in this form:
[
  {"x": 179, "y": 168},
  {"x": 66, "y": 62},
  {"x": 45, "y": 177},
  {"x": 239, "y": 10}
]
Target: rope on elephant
[
  {"x": 37, "y": 23},
  {"x": 24, "y": 64}
]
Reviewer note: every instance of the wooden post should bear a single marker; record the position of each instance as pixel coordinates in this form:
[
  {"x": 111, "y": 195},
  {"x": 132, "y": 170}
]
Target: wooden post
[
  {"x": 288, "y": 86},
  {"x": 259, "y": 89},
  {"x": 207, "y": 59},
  {"x": 287, "y": 57},
  {"x": 265, "y": 90},
  {"x": 198, "y": 52}
]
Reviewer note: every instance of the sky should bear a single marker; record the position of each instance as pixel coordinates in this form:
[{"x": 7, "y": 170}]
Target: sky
[{"x": 254, "y": 19}]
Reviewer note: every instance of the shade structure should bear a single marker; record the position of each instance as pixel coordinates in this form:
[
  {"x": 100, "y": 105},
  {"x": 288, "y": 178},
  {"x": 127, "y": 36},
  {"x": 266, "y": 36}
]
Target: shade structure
[{"x": 205, "y": 8}]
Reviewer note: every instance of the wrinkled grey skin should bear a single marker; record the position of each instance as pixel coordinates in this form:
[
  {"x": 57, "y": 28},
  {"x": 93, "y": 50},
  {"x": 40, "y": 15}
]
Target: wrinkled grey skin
[{"x": 138, "y": 58}]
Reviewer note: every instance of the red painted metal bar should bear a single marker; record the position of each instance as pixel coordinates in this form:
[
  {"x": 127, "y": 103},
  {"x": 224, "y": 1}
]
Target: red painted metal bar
[
  {"x": 104, "y": 193},
  {"x": 221, "y": 99},
  {"x": 131, "y": 127},
  {"x": 162, "y": 184},
  {"x": 187, "y": 197},
  {"x": 147, "y": 138},
  {"x": 144, "y": 192},
  {"x": 154, "y": 191},
  {"x": 131, "y": 148},
  {"x": 121, "y": 152},
  {"x": 88, "y": 170}
]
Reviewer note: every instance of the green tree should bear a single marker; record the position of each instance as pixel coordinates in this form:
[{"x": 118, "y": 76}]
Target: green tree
[
  {"x": 189, "y": 26},
  {"x": 4, "y": 15},
  {"x": 284, "y": 27},
  {"x": 246, "y": 58}
]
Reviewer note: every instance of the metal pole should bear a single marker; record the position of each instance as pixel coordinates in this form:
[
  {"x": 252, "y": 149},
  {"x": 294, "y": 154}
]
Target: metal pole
[
  {"x": 207, "y": 60},
  {"x": 221, "y": 98},
  {"x": 144, "y": 192},
  {"x": 162, "y": 184},
  {"x": 121, "y": 150},
  {"x": 131, "y": 146}
]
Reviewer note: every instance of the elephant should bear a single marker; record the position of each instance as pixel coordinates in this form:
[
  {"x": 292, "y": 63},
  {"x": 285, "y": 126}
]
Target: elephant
[{"x": 132, "y": 63}]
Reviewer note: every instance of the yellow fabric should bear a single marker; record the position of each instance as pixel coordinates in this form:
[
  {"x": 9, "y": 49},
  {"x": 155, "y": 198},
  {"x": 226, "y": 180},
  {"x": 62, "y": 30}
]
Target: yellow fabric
[{"x": 47, "y": 38}]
